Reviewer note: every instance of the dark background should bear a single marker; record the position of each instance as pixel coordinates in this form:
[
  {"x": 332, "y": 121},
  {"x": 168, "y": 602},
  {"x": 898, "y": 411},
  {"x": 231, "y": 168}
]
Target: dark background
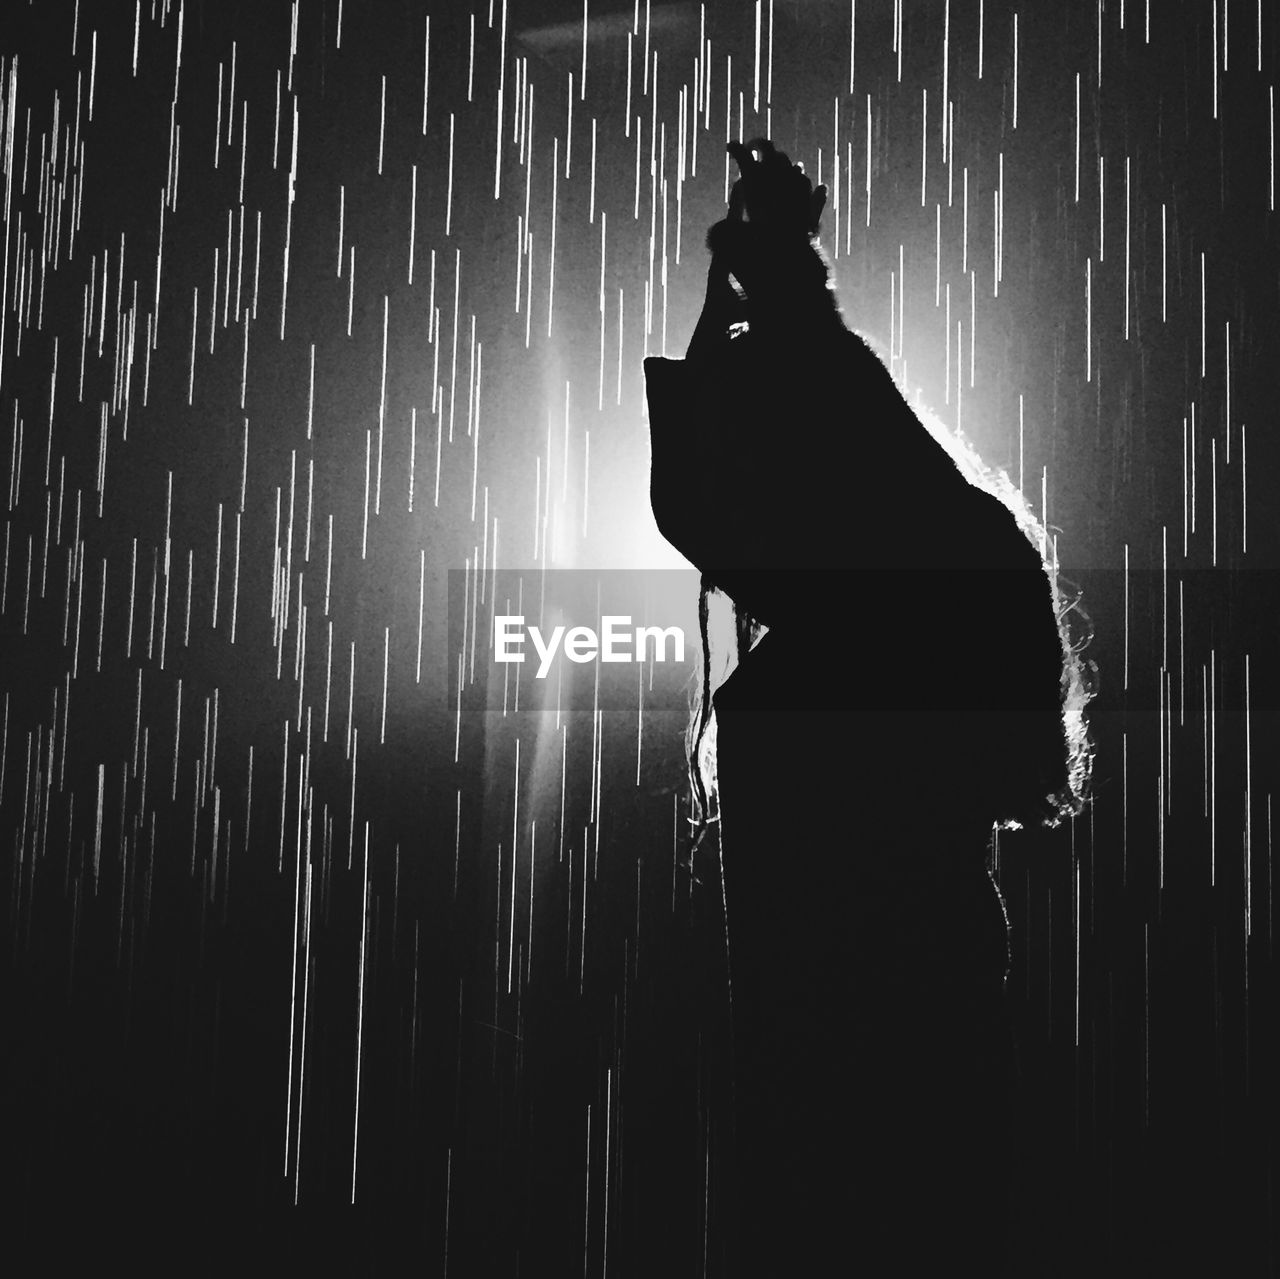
[{"x": 212, "y": 976}]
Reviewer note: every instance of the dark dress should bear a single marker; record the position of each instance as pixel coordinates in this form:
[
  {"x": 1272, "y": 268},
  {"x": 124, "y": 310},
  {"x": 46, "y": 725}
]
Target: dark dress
[{"x": 899, "y": 703}]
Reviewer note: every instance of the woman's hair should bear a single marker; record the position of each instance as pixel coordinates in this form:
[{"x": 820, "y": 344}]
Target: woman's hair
[
  {"x": 700, "y": 754},
  {"x": 1064, "y": 754},
  {"x": 1067, "y": 759},
  {"x": 1070, "y": 750}
]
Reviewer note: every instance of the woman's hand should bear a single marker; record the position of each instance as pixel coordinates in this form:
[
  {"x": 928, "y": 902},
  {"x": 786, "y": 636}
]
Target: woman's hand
[
  {"x": 765, "y": 250},
  {"x": 775, "y": 195},
  {"x": 765, "y": 266}
]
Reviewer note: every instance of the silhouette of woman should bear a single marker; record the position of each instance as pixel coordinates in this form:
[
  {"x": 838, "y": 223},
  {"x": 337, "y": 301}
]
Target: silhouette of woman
[{"x": 907, "y": 696}]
